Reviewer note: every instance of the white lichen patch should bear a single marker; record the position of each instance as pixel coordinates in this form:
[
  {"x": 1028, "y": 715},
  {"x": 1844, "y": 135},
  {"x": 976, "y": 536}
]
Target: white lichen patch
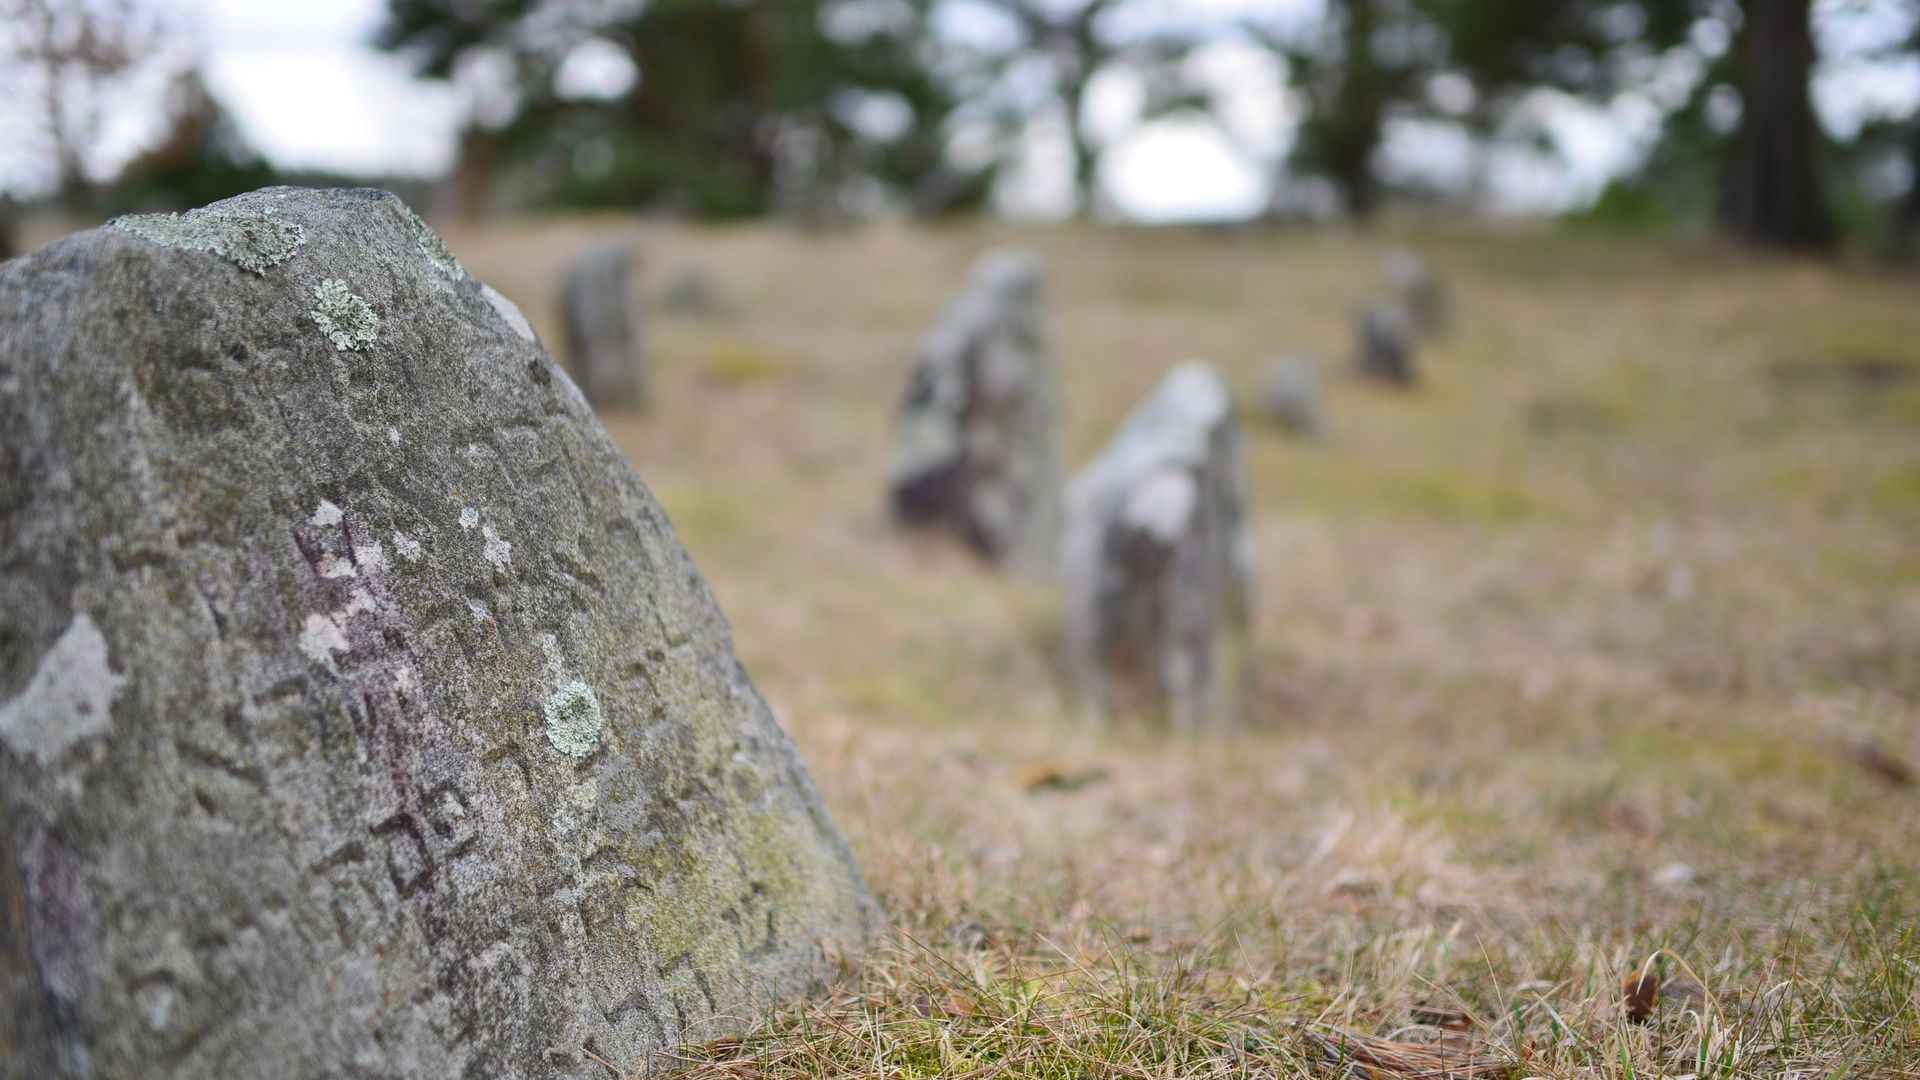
[
  {"x": 321, "y": 638},
  {"x": 574, "y": 719},
  {"x": 344, "y": 317},
  {"x": 327, "y": 514},
  {"x": 252, "y": 240},
  {"x": 370, "y": 555},
  {"x": 69, "y": 698},
  {"x": 509, "y": 312},
  {"x": 495, "y": 550},
  {"x": 407, "y": 546},
  {"x": 435, "y": 249}
]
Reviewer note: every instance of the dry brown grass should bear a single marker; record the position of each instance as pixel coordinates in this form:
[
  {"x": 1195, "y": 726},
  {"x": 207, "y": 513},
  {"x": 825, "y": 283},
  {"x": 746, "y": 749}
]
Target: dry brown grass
[{"x": 1564, "y": 658}]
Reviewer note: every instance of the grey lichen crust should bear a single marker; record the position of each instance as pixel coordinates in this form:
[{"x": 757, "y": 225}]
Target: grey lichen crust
[
  {"x": 344, "y": 317},
  {"x": 574, "y": 719},
  {"x": 255, "y": 240},
  {"x": 361, "y": 719},
  {"x": 435, "y": 249}
]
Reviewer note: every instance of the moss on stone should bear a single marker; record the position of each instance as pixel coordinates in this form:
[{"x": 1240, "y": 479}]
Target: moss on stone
[
  {"x": 344, "y": 317},
  {"x": 251, "y": 240}
]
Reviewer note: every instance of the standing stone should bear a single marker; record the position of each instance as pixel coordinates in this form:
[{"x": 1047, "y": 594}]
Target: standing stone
[
  {"x": 977, "y": 438},
  {"x": 360, "y": 714},
  {"x": 1159, "y": 566},
  {"x": 1413, "y": 282},
  {"x": 605, "y": 352},
  {"x": 1386, "y": 344},
  {"x": 1291, "y": 394}
]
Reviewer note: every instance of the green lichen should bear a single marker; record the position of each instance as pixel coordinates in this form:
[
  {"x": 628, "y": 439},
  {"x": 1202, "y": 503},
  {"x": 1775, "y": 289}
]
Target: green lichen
[
  {"x": 255, "y": 240},
  {"x": 345, "y": 318},
  {"x": 435, "y": 249},
  {"x": 574, "y": 719}
]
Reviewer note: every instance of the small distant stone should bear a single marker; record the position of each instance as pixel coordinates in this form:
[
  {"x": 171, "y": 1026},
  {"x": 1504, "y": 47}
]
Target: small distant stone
[
  {"x": 606, "y": 350},
  {"x": 1291, "y": 394},
  {"x": 344, "y": 317},
  {"x": 1386, "y": 344},
  {"x": 255, "y": 240},
  {"x": 1410, "y": 278},
  {"x": 692, "y": 294}
]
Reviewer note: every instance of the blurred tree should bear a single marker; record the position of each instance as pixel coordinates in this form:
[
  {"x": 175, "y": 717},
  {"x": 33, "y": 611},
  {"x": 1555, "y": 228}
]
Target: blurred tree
[
  {"x": 202, "y": 158},
  {"x": 1359, "y": 63},
  {"x": 71, "y": 54},
  {"x": 1068, "y": 43},
  {"x": 729, "y": 108},
  {"x": 1774, "y": 193}
]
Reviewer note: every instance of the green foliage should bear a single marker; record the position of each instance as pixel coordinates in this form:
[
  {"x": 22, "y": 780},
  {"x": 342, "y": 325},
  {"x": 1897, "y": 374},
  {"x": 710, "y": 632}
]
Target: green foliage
[{"x": 738, "y": 106}]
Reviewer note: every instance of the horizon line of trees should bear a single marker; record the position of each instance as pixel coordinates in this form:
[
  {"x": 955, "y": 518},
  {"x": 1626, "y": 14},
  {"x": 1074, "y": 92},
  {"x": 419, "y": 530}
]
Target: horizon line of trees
[{"x": 823, "y": 108}]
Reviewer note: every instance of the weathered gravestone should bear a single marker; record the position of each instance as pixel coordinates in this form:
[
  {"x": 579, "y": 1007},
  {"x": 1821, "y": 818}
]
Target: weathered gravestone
[
  {"x": 360, "y": 714},
  {"x": 1159, "y": 566},
  {"x": 977, "y": 437},
  {"x": 1291, "y": 394},
  {"x": 605, "y": 348},
  {"x": 1413, "y": 282},
  {"x": 1386, "y": 344}
]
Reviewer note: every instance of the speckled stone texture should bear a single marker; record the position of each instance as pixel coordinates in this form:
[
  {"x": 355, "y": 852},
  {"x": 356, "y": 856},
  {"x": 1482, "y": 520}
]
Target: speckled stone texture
[
  {"x": 606, "y": 349},
  {"x": 360, "y": 715},
  {"x": 1159, "y": 566},
  {"x": 977, "y": 441}
]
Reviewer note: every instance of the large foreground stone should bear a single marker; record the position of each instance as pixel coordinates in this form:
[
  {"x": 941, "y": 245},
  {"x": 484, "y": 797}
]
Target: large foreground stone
[
  {"x": 1159, "y": 566},
  {"x": 360, "y": 715},
  {"x": 605, "y": 346},
  {"x": 977, "y": 439}
]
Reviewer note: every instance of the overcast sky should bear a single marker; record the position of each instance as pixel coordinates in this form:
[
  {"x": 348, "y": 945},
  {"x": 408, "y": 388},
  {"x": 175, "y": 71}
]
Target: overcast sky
[{"x": 309, "y": 92}]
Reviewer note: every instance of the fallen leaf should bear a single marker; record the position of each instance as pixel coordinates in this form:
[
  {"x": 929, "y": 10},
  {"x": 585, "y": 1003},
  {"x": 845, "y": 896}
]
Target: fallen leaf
[
  {"x": 1641, "y": 991},
  {"x": 1052, "y": 776},
  {"x": 1875, "y": 758}
]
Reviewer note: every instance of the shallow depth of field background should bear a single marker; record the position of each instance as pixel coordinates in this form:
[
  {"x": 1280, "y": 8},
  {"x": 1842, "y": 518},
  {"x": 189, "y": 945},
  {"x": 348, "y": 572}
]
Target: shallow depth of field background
[{"x": 1598, "y": 649}]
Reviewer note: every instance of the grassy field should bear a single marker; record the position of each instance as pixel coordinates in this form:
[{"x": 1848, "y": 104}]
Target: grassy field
[{"x": 1593, "y": 649}]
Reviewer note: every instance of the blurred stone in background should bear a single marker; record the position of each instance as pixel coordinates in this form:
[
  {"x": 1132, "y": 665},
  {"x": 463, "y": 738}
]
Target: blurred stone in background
[
  {"x": 1158, "y": 561},
  {"x": 1291, "y": 396},
  {"x": 606, "y": 351},
  {"x": 977, "y": 445}
]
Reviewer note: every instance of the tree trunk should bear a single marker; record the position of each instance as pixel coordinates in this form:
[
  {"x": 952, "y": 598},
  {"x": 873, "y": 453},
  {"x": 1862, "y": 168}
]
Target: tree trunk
[
  {"x": 1359, "y": 114},
  {"x": 1903, "y": 239},
  {"x": 1773, "y": 195},
  {"x": 1086, "y": 159}
]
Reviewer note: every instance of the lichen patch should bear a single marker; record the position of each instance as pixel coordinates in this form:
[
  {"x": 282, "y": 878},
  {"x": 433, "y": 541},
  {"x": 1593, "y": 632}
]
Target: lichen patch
[
  {"x": 495, "y": 550},
  {"x": 255, "y": 240},
  {"x": 574, "y": 719},
  {"x": 69, "y": 698},
  {"x": 345, "y": 318},
  {"x": 435, "y": 249}
]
